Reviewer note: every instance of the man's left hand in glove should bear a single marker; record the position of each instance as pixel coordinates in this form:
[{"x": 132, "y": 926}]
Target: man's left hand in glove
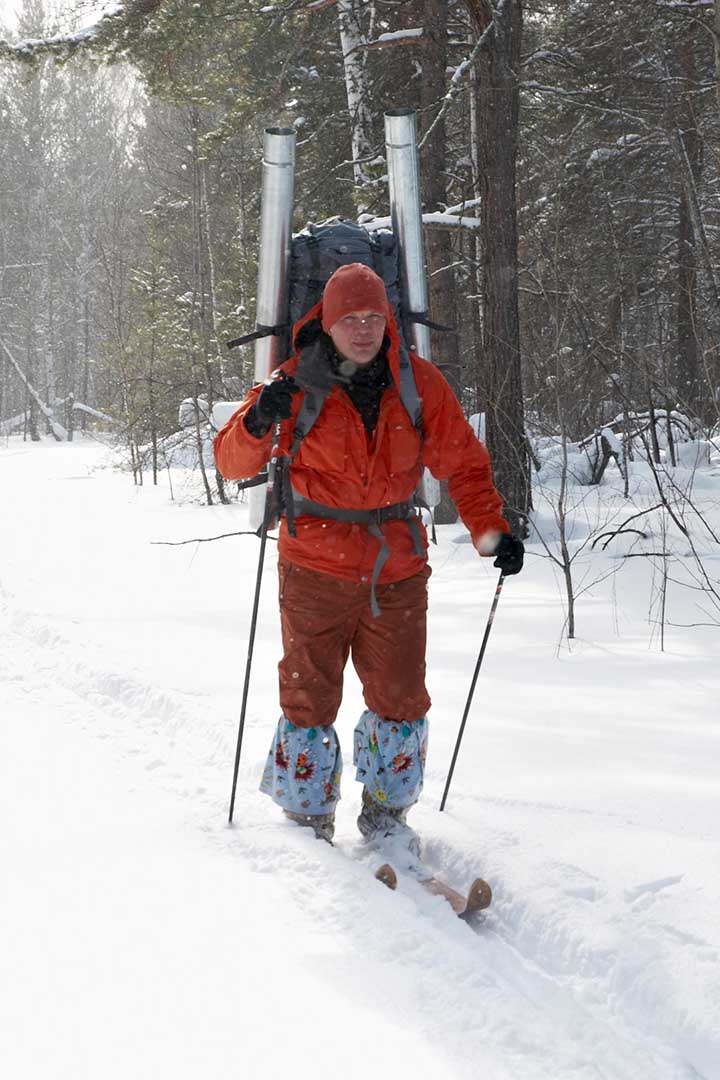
[{"x": 509, "y": 554}]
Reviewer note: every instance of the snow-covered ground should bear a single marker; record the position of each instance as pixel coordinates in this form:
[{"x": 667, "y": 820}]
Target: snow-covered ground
[{"x": 141, "y": 937}]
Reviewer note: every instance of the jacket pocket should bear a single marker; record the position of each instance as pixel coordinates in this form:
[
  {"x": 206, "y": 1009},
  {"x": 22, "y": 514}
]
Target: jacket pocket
[
  {"x": 325, "y": 448},
  {"x": 404, "y": 447}
]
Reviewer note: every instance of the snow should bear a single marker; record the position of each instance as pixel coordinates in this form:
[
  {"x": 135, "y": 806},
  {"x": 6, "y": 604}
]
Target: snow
[
  {"x": 448, "y": 220},
  {"x": 613, "y": 441},
  {"x": 401, "y": 35},
  {"x": 602, "y": 154},
  {"x": 142, "y": 937}
]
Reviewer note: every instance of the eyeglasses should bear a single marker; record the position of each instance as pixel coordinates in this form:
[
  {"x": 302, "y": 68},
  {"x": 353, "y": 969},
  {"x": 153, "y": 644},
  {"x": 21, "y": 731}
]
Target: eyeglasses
[{"x": 352, "y": 322}]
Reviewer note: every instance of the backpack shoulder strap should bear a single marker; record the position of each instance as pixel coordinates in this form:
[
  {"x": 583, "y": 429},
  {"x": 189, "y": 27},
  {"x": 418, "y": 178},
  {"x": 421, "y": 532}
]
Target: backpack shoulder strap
[
  {"x": 313, "y": 401},
  {"x": 408, "y": 390}
]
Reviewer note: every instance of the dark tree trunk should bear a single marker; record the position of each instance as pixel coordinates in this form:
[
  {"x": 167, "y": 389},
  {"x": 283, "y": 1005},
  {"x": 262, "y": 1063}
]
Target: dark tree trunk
[
  {"x": 438, "y": 242},
  {"x": 501, "y": 383},
  {"x": 688, "y": 346}
]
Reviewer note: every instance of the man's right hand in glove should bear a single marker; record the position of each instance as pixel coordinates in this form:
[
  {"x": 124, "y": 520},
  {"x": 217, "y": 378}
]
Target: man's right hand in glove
[{"x": 273, "y": 404}]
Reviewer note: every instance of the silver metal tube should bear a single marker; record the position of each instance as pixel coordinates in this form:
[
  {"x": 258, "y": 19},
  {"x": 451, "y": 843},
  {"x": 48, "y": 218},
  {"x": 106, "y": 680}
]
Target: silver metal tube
[
  {"x": 406, "y": 214},
  {"x": 278, "y": 181}
]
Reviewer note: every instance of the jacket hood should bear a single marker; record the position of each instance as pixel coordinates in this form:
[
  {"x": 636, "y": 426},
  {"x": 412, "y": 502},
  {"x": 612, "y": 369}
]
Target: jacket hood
[{"x": 391, "y": 331}]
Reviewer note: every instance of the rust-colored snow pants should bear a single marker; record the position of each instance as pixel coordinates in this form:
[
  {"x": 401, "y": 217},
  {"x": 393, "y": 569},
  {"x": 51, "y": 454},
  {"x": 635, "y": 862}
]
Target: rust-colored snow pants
[{"x": 324, "y": 619}]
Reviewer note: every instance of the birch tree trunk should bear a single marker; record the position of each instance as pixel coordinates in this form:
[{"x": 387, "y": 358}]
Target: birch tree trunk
[{"x": 352, "y": 40}]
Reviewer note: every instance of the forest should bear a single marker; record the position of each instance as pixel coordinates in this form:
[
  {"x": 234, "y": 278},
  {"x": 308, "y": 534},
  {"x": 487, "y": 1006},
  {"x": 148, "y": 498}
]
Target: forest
[{"x": 569, "y": 165}]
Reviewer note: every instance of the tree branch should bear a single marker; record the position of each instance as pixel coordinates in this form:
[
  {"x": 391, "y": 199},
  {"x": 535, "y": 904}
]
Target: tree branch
[{"x": 455, "y": 87}]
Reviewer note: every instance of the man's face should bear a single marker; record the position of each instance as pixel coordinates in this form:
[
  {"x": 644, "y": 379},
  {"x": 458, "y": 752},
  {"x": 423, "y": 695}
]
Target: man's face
[{"x": 358, "y": 336}]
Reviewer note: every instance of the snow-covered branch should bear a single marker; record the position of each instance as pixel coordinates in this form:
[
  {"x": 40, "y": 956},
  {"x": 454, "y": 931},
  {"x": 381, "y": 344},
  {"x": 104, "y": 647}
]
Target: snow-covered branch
[
  {"x": 60, "y": 46},
  {"x": 106, "y": 31},
  {"x": 79, "y": 406},
  {"x": 438, "y": 219},
  {"x": 461, "y": 207},
  {"x": 411, "y": 36}
]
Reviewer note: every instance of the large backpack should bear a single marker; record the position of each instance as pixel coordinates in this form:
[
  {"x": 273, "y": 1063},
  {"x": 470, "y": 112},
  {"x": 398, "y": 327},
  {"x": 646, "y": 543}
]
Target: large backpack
[
  {"x": 315, "y": 254},
  {"x": 319, "y": 250}
]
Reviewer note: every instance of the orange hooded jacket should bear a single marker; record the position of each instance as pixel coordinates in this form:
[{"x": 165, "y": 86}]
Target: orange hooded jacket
[{"x": 339, "y": 465}]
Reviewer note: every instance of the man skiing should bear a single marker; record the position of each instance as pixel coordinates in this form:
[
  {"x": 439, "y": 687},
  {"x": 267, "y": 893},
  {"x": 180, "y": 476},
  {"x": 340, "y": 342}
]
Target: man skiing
[{"x": 352, "y": 561}]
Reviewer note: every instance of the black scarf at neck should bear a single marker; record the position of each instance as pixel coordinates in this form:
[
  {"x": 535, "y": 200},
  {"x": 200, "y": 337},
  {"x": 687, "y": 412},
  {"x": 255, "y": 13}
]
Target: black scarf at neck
[{"x": 366, "y": 386}]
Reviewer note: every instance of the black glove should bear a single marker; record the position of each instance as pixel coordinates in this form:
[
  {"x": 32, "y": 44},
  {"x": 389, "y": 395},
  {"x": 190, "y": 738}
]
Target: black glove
[
  {"x": 274, "y": 403},
  {"x": 509, "y": 554}
]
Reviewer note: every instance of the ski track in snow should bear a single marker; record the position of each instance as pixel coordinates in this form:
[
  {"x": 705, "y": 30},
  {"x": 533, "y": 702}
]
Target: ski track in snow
[
  {"x": 597, "y": 960},
  {"x": 522, "y": 964}
]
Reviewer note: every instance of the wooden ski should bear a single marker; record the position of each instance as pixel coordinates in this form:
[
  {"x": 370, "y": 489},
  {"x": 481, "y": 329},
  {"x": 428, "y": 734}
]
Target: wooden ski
[{"x": 479, "y": 895}]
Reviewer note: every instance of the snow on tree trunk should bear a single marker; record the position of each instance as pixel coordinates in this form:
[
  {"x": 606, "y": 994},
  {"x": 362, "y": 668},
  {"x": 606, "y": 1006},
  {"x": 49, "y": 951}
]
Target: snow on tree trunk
[{"x": 56, "y": 430}]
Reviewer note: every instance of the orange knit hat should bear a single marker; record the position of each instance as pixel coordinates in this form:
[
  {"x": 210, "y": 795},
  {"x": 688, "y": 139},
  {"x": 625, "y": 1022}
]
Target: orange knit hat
[{"x": 354, "y": 287}]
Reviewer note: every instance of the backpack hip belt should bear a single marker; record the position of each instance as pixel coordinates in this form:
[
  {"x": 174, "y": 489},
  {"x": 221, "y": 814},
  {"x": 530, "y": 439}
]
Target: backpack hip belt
[{"x": 373, "y": 520}]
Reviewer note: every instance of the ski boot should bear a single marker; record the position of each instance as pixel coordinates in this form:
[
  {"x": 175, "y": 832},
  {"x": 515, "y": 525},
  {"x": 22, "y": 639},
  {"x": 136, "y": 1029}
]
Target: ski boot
[
  {"x": 323, "y": 825},
  {"x": 387, "y": 824}
]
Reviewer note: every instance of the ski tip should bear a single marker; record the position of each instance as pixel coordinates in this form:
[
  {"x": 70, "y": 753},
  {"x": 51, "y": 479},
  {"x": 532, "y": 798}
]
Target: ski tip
[
  {"x": 479, "y": 896},
  {"x": 387, "y": 875}
]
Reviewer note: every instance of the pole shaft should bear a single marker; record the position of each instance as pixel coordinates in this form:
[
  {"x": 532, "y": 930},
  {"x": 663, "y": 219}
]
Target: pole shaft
[
  {"x": 461, "y": 732},
  {"x": 269, "y": 489},
  {"x": 248, "y": 666}
]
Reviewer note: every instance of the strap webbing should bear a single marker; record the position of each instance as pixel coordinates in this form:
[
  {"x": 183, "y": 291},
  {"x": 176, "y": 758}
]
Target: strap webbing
[
  {"x": 423, "y": 318},
  {"x": 373, "y": 520},
  {"x": 313, "y": 401},
  {"x": 260, "y": 331},
  {"x": 409, "y": 391},
  {"x": 261, "y": 478}
]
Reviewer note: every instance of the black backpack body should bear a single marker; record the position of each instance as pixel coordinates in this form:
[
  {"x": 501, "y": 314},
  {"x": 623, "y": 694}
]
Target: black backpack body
[
  {"x": 315, "y": 254},
  {"x": 319, "y": 250}
]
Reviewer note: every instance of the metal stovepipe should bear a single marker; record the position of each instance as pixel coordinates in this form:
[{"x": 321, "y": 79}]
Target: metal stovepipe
[
  {"x": 406, "y": 215},
  {"x": 278, "y": 183}
]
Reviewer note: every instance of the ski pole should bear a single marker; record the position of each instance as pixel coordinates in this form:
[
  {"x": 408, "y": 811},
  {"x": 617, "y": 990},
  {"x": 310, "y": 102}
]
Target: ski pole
[
  {"x": 486, "y": 635},
  {"x": 267, "y": 516}
]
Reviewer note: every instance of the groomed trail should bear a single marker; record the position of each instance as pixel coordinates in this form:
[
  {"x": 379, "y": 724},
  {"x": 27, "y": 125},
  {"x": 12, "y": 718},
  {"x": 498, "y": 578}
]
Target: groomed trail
[{"x": 143, "y": 937}]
